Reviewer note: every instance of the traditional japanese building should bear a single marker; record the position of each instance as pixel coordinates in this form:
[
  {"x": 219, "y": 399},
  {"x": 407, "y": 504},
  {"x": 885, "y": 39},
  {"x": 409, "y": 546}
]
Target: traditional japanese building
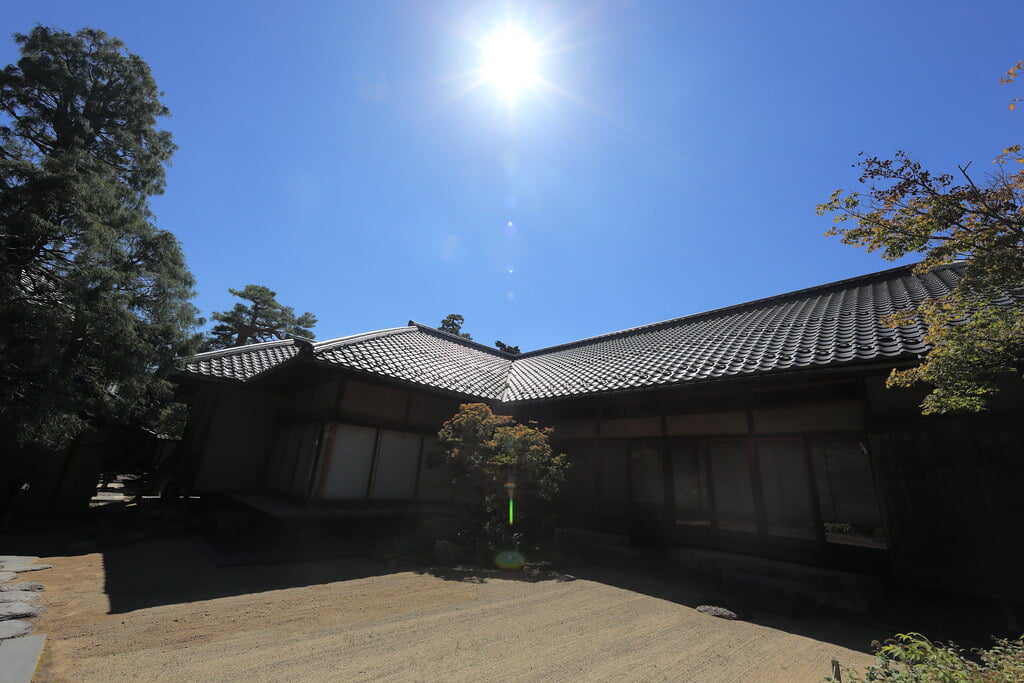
[{"x": 762, "y": 429}]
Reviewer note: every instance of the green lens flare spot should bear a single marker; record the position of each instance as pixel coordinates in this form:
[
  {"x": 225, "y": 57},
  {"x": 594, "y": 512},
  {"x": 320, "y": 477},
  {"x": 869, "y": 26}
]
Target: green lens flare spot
[{"x": 510, "y": 559}]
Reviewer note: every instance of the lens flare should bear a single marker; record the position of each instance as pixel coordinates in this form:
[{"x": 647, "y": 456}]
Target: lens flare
[{"x": 510, "y": 559}]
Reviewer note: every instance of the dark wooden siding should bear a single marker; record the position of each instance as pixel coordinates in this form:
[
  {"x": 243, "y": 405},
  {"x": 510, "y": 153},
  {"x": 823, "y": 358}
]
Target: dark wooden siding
[{"x": 953, "y": 506}]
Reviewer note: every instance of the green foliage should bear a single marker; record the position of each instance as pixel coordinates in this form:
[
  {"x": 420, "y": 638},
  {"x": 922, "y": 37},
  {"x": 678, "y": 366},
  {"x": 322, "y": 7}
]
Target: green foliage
[
  {"x": 453, "y": 325},
  {"x": 263, "y": 320},
  {"x": 976, "y": 333},
  {"x": 485, "y": 451},
  {"x": 975, "y": 341},
  {"x": 912, "y": 658},
  {"x": 171, "y": 420},
  {"x": 94, "y": 298},
  {"x": 502, "y": 346}
]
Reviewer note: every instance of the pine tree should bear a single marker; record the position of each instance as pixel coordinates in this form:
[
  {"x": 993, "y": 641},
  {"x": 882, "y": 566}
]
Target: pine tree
[
  {"x": 453, "y": 325},
  {"x": 263, "y": 319},
  {"x": 507, "y": 348}
]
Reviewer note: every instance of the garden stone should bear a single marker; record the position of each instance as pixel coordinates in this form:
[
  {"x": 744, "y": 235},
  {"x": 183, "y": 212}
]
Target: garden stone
[
  {"x": 17, "y": 559},
  {"x": 13, "y": 628},
  {"x": 18, "y": 596},
  {"x": 715, "y": 611},
  {"x": 21, "y": 586},
  {"x": 19, "y": 610},
  {"x": 7, "y": 576}
]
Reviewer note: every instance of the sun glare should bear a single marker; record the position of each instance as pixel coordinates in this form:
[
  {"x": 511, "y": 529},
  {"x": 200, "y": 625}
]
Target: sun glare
[{"x": 510, "y": 62}]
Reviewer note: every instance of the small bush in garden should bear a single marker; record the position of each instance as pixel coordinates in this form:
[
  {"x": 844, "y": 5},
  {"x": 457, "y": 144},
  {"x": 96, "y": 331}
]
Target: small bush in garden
[
  {"x": 487, "y": 451},
  {"x": 910, "y": 657}
]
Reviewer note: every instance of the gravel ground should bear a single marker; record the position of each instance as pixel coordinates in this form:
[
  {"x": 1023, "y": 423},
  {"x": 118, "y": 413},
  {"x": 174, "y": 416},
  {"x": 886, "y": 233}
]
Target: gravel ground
[{"x": 162, "y": 610}]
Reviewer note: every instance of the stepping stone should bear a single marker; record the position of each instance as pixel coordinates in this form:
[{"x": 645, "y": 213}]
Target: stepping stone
[
  {"x": 19, "y": 657},
  {"x": 7, "y": 576},
  {"x": 13, "y": 628},
  {"x": 19, "y": 610},
  {"x": 17, "y": 559},
  {"x": 714, "y": 611},
  {"x": 25, "y": 567},
  {"x": 18, "y": 596},
  {"x": 21, "y": 586}
]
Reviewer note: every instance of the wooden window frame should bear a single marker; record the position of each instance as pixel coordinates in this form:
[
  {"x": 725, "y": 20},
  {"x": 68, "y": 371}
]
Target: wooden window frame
[{"x": 700, "y": 445}]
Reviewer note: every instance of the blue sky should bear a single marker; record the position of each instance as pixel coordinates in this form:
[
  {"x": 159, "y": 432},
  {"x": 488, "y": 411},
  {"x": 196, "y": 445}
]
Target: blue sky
[{"x": 335, "y": 152}]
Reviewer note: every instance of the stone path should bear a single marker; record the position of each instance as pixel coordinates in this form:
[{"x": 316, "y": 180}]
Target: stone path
[
  {"x": 19, "y": 652},
  {"x": 19, "y": 657}
]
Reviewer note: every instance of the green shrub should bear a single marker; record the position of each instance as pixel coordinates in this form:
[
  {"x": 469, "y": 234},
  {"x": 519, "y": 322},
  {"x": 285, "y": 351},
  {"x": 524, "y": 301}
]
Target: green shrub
[
  {"x": 910, "y": 657},
  {"x": 487, "y": 452}
]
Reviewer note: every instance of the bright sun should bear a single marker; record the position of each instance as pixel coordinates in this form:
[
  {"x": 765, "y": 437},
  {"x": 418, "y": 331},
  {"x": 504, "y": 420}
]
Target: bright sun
[{"x": 510, "y": 61}]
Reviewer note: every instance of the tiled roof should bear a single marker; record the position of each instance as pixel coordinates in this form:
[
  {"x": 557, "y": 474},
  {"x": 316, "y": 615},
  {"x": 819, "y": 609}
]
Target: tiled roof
[
  {"x": 422, "y": 355},
  {"x": 824, "y": 326},
  {"x": 243, "y": 362},
  {"x": 831, "y": 325}
]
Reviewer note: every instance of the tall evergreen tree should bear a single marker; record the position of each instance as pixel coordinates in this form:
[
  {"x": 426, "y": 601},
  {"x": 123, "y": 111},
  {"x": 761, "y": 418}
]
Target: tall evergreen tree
[
  {"x": 263, "y": 319},
  {"x": 94, "y": 298}
]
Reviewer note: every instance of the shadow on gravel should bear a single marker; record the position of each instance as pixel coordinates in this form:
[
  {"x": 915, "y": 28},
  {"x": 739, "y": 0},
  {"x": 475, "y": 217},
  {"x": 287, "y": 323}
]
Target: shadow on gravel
[
  {"x": 177, "y": 570},
  {"x": 468, "y": 574},
  {"x": 147, "y": 563},
  {"x": 665, "y": 583},
  {"x": 970, "y": 622}
]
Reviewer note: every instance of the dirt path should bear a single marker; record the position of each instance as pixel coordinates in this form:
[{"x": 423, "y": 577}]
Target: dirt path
[{"x": 161, "y": 610}]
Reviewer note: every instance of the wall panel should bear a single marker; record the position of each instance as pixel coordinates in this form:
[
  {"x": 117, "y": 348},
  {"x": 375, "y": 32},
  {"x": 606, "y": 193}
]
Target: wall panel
[
  {"x": 239, "y": 441},
  {"x": 366, "y": 400},
  {"x": 349, "y": 463},
  {"x": 707, "y": 424},
  {"x": 833, "y": 416},
  {"x": 397, "y": 463},
  {"x": 951, "y": 501}
]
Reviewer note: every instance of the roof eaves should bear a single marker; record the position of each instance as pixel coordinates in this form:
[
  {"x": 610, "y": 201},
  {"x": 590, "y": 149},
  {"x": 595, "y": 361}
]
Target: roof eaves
[
  {"x": 907, "y": 359},
  {"x": 361, "y": 372},
  {"x": 184, "y": 374},
  {"x": 232, "y": 350},
  {"x": 302, "y": 348}
]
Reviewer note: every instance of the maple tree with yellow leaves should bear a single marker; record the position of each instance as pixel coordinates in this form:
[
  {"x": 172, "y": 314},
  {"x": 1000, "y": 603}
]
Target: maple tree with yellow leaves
[{"x": 976, "y": 333}]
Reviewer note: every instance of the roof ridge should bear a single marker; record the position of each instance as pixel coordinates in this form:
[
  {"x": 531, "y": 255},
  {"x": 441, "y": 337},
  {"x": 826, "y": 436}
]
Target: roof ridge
[
  {"x": 231, "y": 350},
  {"x": 462, "y": 340},
  {"x": 879, "y": 275},
  {"x": 362, "y": 336}
]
